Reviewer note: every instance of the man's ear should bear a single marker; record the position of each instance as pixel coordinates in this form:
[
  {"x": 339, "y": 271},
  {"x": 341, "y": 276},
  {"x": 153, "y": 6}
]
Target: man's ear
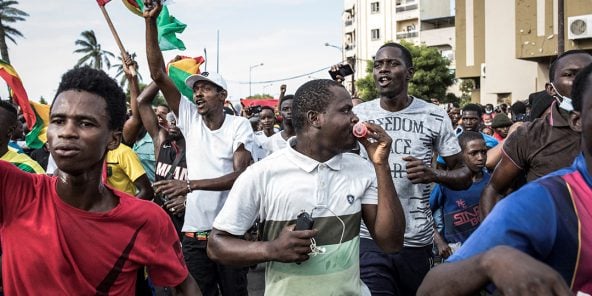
[
  {"x": 114, "y": 141},
  {"x": 223, "y": 95},
  {"x": 313, "y": 118},
  {"x": 550, "y": 89},
  {"x": 410, "y": 72},
  {"x": 575, "y": 121}
]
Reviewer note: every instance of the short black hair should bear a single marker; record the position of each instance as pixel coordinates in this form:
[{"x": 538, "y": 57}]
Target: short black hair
[
  {"x": 407, "y": 58},
  {"x": 11, "y": 109},
  {"x": 468, "y": 136},
  {"x": 99, "y": 83},
  {"x": 518, "y": 108},
  {"x": 285, "y": 98},
  {"x": 267, "y": 108},
  {"x": 580, "y": 85},
  {"x": 473, "y": 107},
  {"x": 311, "y": 96},
  {"x": 553, "y": 66}
]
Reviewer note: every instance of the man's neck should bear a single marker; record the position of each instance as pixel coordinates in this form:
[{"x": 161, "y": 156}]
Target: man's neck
[
  {"x": 313, "y": 149},
  {"x": 477, "y": 176},
  {"x": 396, "y": 103},
  {"x": 85, "y": 191},
  {"x": 214, "y": 119},
  {"x": 268, "y": 132},
  {"x": 288, "y": 131}
]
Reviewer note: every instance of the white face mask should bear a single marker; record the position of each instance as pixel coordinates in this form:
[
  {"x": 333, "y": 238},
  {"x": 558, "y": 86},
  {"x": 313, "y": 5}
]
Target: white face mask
[{"x": 565, "y": 101}]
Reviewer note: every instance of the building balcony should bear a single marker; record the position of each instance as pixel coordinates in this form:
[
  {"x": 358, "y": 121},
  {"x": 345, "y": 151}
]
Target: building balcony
[
  {"x": 407, "y": 34},
  {"x": 349, "y": 22},
  {"x": 438, "y": 37},
  {"x": 407, "y": 15},
  {"x": 406, "y": 7}
]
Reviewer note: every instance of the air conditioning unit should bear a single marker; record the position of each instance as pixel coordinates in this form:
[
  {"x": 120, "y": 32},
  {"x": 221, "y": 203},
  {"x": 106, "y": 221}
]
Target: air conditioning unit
[
  {"x": 483, "y": 70},
  {"x": 579, "y": 27}
]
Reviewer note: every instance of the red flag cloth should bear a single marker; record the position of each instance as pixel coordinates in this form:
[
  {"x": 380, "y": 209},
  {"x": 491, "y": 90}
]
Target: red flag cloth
[
  {"x": 19, "y": 95},
  {"x": 102, "y": 2}
]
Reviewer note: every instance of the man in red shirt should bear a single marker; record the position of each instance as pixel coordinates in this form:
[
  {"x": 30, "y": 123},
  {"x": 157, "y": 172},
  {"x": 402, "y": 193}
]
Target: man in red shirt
[{"x": 70, "y": 233}]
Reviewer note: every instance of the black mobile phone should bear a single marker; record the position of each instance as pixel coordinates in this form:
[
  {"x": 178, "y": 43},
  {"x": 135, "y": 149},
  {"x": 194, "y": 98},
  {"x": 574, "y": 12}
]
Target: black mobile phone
[
  {"x": 304, "y": 221},
  {"x": 344, "y": 70}
]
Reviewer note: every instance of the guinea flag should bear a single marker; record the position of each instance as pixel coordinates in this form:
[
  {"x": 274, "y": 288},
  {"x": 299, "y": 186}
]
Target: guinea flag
[
  {"x": 179, "y": 71},
  {"x": 168, "y": 26},
  {"x": 19, "y": 95},
  {"x": 102, "y": 2},
  {"x": 37, "y": 135}
]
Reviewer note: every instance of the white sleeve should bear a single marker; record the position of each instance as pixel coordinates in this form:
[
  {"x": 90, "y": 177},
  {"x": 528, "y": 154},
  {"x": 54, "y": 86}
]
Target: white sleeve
[
  {"x": 447, "y": 141},
  {"x": 186, "y": 111},
  {"x": 242, "y": 205},
  {"x": 371, "y": 193},
  {"x": 244, "y": 135}
]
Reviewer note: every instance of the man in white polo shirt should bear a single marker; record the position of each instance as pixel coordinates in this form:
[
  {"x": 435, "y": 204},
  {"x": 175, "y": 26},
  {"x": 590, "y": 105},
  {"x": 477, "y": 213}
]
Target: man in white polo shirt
[
  {"x": 218, "y": 150},
  {"x": 313, "y": 174}
]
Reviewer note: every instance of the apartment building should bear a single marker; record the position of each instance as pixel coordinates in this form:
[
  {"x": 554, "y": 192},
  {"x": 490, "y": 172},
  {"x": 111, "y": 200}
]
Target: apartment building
[
  {"x": 368, "y": 24},
  {"x": 506, "y": 46}
]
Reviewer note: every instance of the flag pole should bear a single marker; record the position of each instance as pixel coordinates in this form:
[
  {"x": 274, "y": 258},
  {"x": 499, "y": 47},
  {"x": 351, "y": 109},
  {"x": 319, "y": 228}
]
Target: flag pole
[{"x": 117, "y": 40}]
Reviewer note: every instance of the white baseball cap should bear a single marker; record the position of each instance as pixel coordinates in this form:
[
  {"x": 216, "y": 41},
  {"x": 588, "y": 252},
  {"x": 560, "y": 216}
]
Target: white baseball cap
[{"x": 214, "y": 78}]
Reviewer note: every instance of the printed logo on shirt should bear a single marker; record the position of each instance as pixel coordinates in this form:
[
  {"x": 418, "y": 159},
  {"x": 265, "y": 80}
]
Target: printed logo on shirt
[{"x": 350, "y": 199}]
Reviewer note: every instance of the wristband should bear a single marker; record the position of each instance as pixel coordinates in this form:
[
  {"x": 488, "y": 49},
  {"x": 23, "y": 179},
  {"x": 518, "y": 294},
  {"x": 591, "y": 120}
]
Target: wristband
[{"x": 189, "y": 187}]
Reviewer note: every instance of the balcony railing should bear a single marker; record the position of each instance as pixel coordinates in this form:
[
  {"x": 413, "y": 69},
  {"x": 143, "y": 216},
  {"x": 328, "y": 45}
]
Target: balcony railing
[
  {"x": 405, "y": 34},
  {"x": 349, "y": 22},
  {"x": 406, "y": 7}
]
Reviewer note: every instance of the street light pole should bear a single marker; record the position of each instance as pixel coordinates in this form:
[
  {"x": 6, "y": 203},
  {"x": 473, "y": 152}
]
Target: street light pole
[
  {"x": 251, "y": 70},
  {"x": 338, "y": 47}
]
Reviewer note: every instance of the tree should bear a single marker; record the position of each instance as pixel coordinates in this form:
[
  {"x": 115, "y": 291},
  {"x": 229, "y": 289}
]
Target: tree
[
  {"x": 121, "y": 74},
  {"x": 42, "y": 101},
  {"x": 8, "y": 15},
  {"x": 365, "y": 86},
  {"x": 431, "y": 78},
  {"x": 94, "y": 55},
  {"x": 159, "y": 100}
]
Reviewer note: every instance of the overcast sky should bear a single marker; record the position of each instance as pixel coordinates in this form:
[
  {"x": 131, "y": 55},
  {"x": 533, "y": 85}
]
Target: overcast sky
[{"x": 288, "y": 36}]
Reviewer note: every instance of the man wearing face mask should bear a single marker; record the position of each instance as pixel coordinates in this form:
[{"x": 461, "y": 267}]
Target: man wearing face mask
[{"x": 548, "y": 143}]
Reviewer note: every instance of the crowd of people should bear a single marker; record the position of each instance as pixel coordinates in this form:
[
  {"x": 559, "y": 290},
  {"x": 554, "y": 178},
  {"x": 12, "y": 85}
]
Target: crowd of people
[{"x": 180, "y": 199}]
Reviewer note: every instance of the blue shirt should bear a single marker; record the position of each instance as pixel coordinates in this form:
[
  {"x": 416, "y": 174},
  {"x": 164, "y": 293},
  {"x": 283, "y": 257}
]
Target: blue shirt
[
  {"x": 460, "y": 209},
  {"x": 540, "y": 220},
  {"x": 144, "y": 148}
]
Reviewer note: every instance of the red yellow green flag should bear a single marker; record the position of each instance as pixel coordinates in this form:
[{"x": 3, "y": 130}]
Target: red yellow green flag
[
  {"x": 19, "y": 95},
  {"x": 37, "y": 137},
  {"x": 183, "y": 68},
  {"x": 102, "y": 2}
]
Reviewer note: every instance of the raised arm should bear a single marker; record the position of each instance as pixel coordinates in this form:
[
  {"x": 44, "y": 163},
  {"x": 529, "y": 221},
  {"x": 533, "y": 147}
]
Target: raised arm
[
  {"x": 386, "y": 220},
  {"x": 148, "y": 116},
  {"x": 134, "y": 123},
  {"x": 155, "y": 59},
  {"x": 512, "y": 272}
]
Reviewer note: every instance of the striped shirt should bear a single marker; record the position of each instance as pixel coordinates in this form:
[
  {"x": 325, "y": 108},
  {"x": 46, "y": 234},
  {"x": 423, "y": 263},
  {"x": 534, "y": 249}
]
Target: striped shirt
[{"x": 287, "y": 182}]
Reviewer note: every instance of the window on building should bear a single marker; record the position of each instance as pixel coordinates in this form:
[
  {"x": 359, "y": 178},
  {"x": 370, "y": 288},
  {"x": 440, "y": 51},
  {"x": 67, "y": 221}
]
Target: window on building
[
  {"x": 375, "y": 34},
  {"x": 375, "y": 7}
]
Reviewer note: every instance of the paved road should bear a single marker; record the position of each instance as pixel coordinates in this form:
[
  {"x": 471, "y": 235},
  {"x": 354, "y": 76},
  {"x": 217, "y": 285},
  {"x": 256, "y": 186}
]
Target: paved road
[{"x": 256, "y": 279}]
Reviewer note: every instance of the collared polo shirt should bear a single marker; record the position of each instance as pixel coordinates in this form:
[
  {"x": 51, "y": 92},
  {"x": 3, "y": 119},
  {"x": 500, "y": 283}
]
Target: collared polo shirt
[
  {"x": 278, "y": 188},
  {"x": 545, "y": 145}
]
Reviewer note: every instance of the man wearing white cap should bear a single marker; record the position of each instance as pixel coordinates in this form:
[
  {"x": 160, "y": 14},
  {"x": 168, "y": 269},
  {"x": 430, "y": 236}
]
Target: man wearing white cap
[{"x": 218, "y": 150}]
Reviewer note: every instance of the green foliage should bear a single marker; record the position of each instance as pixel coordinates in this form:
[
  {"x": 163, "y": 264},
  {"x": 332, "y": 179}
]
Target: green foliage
[
  {"x": 42, "y": 101},
  {"x": 466, "y": 88},
  {"x": 366, "y": 87},
  {"x": 431, "y": 79},
  {"x": 94, "y": 56},
  {"x": 120, "y": 74},
  {"x": 260, "y": 96},
  {"x": 9, "y": 15}
]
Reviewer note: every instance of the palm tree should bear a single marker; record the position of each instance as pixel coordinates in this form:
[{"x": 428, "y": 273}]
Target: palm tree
[
  {"x": 94, "y": 55},
  {"x": 119, "y": 71},
  {"x": 8, "y": 15}
]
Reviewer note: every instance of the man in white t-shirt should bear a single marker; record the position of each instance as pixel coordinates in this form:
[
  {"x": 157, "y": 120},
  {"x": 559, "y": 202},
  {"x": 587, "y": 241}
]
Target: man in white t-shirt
[
  {"x": 313, "y": 174},
  {"x": 218, "y": 150},
  {"x": 419, "y": 129},
  {"x": 280, "y": 140}
]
